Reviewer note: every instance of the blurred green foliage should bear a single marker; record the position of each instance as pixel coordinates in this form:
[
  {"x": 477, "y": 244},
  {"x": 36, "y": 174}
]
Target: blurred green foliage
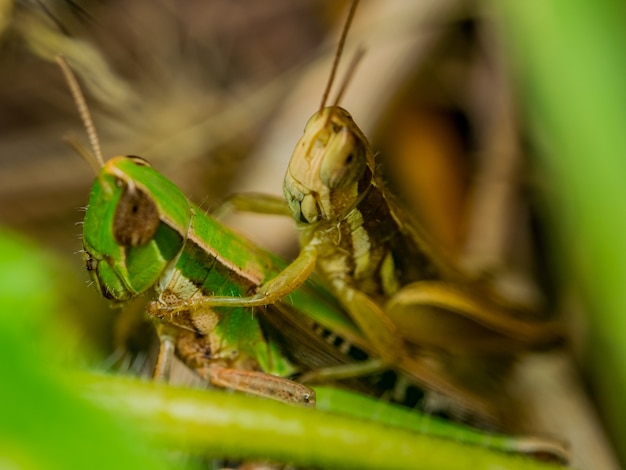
[
  {"x": 571, "y": 67},
  {"x": 44, "y": 423},
  {"x": 53, "y": 417}
]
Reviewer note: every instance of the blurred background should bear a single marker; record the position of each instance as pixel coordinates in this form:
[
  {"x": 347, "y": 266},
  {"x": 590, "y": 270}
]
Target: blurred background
[{"x": 497, "y": 124}]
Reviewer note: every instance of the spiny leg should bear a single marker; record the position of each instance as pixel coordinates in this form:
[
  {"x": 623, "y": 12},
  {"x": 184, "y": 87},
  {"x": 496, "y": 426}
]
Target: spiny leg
[{"x": 259, "y": 384}]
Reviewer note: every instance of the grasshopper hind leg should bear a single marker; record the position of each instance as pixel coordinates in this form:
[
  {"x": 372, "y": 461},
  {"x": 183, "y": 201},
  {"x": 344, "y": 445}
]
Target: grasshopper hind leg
[
  {"x": 260, "y": 384},
  {"x": 235, "y": 373},
  {"x": 452, "y": 317}
]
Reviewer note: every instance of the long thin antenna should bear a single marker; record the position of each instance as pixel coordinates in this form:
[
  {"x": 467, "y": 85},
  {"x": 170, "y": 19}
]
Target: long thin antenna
[
  {"x": 356, "y": 58},
  {"x": 342, "y": 41},
  {"x": 83, "y": 110}
]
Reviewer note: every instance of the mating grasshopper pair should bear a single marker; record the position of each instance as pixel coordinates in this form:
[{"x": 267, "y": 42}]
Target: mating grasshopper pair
[
  {"x": 417, "y": 311},
  {"x": 140, "y": 233}
]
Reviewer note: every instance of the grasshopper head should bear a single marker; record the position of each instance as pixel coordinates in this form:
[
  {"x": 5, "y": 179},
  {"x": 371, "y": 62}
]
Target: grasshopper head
[
  {"x": 135, "y": 227},
  {"x": 329, "y": 169}
]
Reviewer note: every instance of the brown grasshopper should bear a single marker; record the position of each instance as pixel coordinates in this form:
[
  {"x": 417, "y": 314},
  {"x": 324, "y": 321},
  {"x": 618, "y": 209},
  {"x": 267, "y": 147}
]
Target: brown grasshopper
[{"x": 420, "y": 314}]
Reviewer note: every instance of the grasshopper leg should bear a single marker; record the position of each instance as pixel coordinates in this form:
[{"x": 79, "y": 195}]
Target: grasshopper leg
[
  {"x": 260, "y": 384},
  {"x": 288, "y": 280},
  {"x": 422, "y": 366},
  {"x": 202, "y": 355},
  {"x": 345, "y": 371},
  {"x": 375, "y": 324},
  {"x": 255, "y": 203},
  {"x": 450, "y": 317}
]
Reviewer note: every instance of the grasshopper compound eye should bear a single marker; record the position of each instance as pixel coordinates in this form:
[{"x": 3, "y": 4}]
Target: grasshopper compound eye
[
  {"x": 345, "y": 159},
  {"x": 136, "y": 217}
]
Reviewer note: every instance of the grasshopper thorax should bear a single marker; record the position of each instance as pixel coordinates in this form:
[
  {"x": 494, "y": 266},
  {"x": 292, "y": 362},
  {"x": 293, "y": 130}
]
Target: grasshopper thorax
[{"x": 330, "y": 169}]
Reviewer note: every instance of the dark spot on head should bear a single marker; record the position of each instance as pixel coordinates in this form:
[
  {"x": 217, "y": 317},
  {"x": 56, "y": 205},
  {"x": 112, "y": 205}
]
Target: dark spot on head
[{"x": 136, "y": 217}]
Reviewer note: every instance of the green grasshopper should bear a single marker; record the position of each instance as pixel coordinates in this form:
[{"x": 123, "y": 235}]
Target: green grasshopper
[
  {"x": 419, "y": 313},
  {"x": 141, "y": 233}
]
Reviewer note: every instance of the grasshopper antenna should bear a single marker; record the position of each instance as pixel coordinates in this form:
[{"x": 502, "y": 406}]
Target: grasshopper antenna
[
  {"x": 342, "y": 41},
  {"x": 85, "y": 116},
  {"x": 358, "y": 55}
]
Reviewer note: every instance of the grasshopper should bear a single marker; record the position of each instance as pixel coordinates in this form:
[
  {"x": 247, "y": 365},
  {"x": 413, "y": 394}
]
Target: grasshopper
[
  {"x": 140, "y": 232},
  {"x": 419, "y": 313}
]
